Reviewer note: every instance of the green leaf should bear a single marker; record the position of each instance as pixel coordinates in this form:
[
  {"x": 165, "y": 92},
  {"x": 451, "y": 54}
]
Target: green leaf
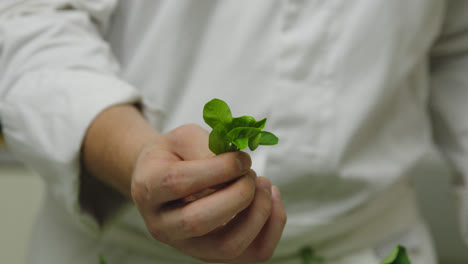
[
  {"x": 243, "y": 121},
  {"x": 217, "y": 141},
  {"x": 397, "y": 256},
  {"x": 242, "y": 132},
  {"x": 254, "y": 142},
  {"x": 241, "y": 143},
  {"x": 248, "y": 121},
  {"x": 217, "y": 112},
  {"x": 260, "y": 124},
  {"x": 391, "y": 257},
  {"x": 267, "y": 138}
]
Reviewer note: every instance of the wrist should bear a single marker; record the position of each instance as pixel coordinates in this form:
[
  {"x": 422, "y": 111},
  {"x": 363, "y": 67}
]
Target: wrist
[{"x": 113, "y": 144}]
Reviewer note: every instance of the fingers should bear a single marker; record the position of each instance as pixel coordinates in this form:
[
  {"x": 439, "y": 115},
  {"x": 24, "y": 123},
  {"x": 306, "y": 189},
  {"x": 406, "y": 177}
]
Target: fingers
[
  {"x": 265, "y": 243},
  {"x": 208, "y": 213},
  {"x": 183, "y": 178},
  {"x": 232, "y": 240}
]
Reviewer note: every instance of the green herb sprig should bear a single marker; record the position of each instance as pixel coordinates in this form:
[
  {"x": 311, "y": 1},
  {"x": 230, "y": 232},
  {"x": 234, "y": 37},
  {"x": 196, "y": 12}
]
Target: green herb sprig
[{"x": 234, "y": 133}]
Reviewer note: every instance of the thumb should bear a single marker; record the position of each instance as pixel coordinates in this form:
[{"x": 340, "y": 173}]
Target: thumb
[{"x": 189, "y": 142}]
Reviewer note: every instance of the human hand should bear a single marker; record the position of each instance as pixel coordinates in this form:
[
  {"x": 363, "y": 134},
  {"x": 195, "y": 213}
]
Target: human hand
[{"x": 241, "y": 222}]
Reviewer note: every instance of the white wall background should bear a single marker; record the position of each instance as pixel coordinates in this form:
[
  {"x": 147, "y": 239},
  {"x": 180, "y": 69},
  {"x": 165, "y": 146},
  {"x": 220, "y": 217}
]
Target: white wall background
[{"x": 21, "y": 192}]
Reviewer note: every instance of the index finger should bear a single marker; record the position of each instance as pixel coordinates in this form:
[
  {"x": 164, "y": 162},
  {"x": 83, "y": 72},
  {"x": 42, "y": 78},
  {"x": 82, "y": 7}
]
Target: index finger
[{"x": 183, "y": 178}]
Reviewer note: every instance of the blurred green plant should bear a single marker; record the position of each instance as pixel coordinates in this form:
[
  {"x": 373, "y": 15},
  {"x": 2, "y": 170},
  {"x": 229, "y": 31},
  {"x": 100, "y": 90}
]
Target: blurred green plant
[{"x": 397, "y": 256}]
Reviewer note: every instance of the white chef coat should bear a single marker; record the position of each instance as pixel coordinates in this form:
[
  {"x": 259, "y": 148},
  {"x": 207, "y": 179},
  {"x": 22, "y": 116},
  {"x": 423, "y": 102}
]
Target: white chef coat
[{"x": 353, "y": 89}]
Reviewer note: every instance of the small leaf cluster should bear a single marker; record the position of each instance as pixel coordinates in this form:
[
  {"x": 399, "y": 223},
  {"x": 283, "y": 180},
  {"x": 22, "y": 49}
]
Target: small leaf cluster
[
  {"x": 234, "y": 133},
  {"x": 397, "y": 256}
]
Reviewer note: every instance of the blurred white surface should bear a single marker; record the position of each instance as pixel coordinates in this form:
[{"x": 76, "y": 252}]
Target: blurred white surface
[
  {"x": 21, "y": 193},
  {"x": 437, "y": 203}
]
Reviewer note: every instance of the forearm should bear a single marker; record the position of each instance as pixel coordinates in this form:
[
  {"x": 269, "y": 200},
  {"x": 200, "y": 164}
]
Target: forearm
[{"x": 112, "y": 144}]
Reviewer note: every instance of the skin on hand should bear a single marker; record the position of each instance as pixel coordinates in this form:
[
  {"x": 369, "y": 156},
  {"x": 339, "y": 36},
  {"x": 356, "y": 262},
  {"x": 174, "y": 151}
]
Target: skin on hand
[
  {"x": 241, "y": 222},
  {"x": 241, "y": 218}
]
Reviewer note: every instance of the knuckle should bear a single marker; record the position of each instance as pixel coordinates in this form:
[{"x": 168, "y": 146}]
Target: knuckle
[
  {"x": 146, "y": 156},
  {"x": 138, "y": 190},
  {"x": 231, "y": 249},
  {"x": 186, "y": 130},
  {"x": 192, "y": 225},
  {"x": 172, "y": 181}
]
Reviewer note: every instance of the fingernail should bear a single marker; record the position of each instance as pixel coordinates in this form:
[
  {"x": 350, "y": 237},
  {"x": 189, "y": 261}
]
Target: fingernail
[
  {"x": 243, "y": 161},
  {"x": 265, "y": 184},
  {"x": 275, "y": 192}
]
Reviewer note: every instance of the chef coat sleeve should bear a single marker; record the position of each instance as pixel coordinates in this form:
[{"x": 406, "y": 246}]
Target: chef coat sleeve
[
  {"x": 56, "y": 75},
  {"x": 449, "y": 99}
]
